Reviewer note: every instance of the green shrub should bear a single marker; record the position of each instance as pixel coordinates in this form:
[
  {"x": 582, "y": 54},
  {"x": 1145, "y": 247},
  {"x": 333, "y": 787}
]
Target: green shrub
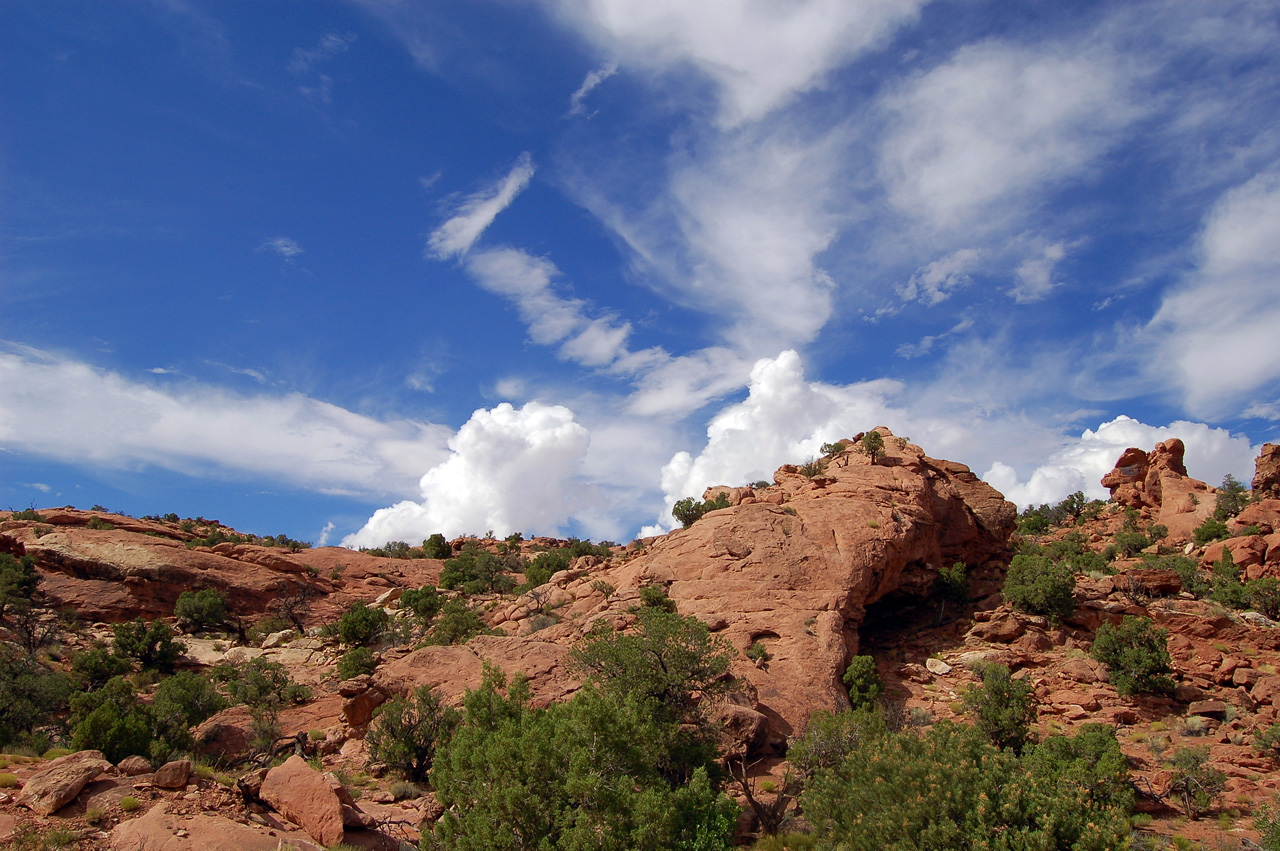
[
  {"x": 356, "y": 661},
  {"x": 1137, "y": 655},
  {"x": 689, "y": 510},
  {"x": 871, "y": 445},
  {"x": 403, "y": 790},
  {"x": 31, "y": 694},
  {"x": 1188, "y": 572},
  {"x": 951, "y": 789},
  {"x": 1267, "y": 823},
  {"x": 423, "y": 602},
  {"x": 361, "y": 625},
  {"x": 537, "y": 574},
  {"x": 197, "y": 611},
  {"x": 456, "y": 624},
  {"x": 261, "y": 682},
  {"x": 757, "y": 652},
  {"x": 1231, "y": 499},
  {"x": 814, "y": 467},
  {"x": 96, "y": 665},
  {"x": 1196, "y": 783},
  {"x": 476, "y": 570},
  {"x": 150, "y": 645},
  {"x": 831, "y": 737},
  {"x": 1129, "y": 544},
  {"x": 594, "y": 772},
  {"x": 436, "y": 547},
  {"x": 1209, "y": 531},
  {"x": 407, "y": 732},
  {"x": 129, "y": 804},
  {"x": 27, "y": 514},
  {"x": 863, "y": 682},
  {"x": 1002, "y": 707},
  {"x": 1037, "y": 585},
  {"x": 1267, "y": 742},
  {"x": 111, "y": 720},
  {"x": 186, "y": 699},
  {"x": 1227, "y": 587},
  {"x": 655, "y": 597},
  {"x": 18, "y": 581},
  {"x": 1264, "y": 595}
]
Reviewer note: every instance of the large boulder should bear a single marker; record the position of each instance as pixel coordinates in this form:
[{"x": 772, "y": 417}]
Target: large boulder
[
  {"x": 59, "y": 782},
  {"x": 305, "y": 797}
]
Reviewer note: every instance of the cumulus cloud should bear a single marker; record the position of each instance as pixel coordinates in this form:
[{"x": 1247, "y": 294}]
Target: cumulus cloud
[
  {"x": 784, "y": 418},
  {"x": 509, "y": 469},
  {"x": 477, "y": 211},
  {"x": 593, "y": 79},
  {"x": 1081, "y": 464},
  {"x": 71, "y": 412},
  {"x": 757, "y": 55},
  {"x": 1216, "y": 334},
  {"x": 996, "y": 122}
]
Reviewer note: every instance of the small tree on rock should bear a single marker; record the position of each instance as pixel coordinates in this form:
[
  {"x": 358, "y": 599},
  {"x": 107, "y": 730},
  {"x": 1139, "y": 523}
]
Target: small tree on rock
[
  {"x": 872, "y": 446},
  {"x": 407, "y": 732}
]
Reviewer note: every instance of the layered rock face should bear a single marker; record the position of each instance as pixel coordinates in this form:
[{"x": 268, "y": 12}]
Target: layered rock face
[
  {"x": 793, "y": 566},
  {"x": 1158, "y": 481},
  {"x": 1266, "y": 479},
  {"x": 137, "y": 568}
]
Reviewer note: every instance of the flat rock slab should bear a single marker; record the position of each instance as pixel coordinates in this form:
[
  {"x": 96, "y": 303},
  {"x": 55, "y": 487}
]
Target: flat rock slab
[
  {"x": 158, "y": 830},
  {"x": 302, "y": 795},
  {"x": 58, "y": 783}
]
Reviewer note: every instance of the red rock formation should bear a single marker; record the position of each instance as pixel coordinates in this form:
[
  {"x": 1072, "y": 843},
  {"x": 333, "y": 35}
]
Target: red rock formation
[
  {"x": 1158, "y": 483},
  {"x": 1266, "y": 478}
]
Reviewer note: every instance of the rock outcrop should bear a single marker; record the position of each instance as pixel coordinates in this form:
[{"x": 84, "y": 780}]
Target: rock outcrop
[
  {"x": 1266, "y": 478},
  {"x": 1158, "y": 482}
]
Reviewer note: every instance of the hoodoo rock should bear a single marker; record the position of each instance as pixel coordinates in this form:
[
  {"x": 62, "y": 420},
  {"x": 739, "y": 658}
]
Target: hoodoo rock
[
  {"x": 1158, "y": 481},
  {"x": 1266, "y": 478}
]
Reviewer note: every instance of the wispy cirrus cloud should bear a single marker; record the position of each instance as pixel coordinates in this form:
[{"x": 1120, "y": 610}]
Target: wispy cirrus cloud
[
  {"x": 284, "y": 246},
  {"x": 477, "y": 211},
  {"x": 304, "y": 65},
  {"x": 589, "y": 83}
]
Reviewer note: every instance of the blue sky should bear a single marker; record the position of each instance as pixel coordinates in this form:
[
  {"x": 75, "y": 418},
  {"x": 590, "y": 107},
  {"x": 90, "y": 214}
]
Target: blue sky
[{"x": 364, "y": 271}]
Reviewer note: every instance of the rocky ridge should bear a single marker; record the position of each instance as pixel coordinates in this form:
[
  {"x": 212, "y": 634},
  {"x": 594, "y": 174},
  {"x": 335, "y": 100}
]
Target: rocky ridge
[{"x": 818, "y": 566}]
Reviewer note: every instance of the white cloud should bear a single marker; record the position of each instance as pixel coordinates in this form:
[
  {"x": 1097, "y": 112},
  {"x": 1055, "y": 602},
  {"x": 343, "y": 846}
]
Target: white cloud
[
  {"x": 304, "y": 65},
  {"x": 509, "y": 469},
  {"x": 1035, "y": 274},
  {"x": 758, "y": 55},
  {"x": 593, "y": 79},
  {"x": 934, "y": 283},
  {"x": 997, "y": 122},
  {"x": 551, "y": 318},
  {"x": 477, "y": 212},
  {"x": 1081, "y": 464},
  {"x": 784, "y": 419},
  {"x": 74, "y": 413},
  {"x": 284, "y": 246},
  {"x": 1216, "y": 336},
  {"x": 323, "y": 540}
]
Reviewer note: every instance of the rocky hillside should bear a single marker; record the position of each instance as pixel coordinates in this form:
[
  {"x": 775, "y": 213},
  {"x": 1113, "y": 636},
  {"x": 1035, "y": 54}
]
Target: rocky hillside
[{"x": 835, "y": 558}]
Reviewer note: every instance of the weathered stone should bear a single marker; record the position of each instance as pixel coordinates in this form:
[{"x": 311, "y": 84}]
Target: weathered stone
[
  {"x": 173, "y": 775},
  {"x": 1208, "y": 709},
  {"x": 60, "y": 781},
  {"x": 158, "y": 830},
  {"x": 303, "y": 796},
  {"x": 132, "y": 766},
  {"x": 937, "y": 666}
]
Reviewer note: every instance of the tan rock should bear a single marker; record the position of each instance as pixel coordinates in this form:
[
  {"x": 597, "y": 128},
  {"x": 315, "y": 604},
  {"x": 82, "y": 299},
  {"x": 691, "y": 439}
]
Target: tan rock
[
  {"x": 302, "y": 795},
  {"x": 173, "y": 775},
  {"x": 132, "y": 766},
  {"x": 159, "y": 830},
  {"x": 59, "y": 782}
]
